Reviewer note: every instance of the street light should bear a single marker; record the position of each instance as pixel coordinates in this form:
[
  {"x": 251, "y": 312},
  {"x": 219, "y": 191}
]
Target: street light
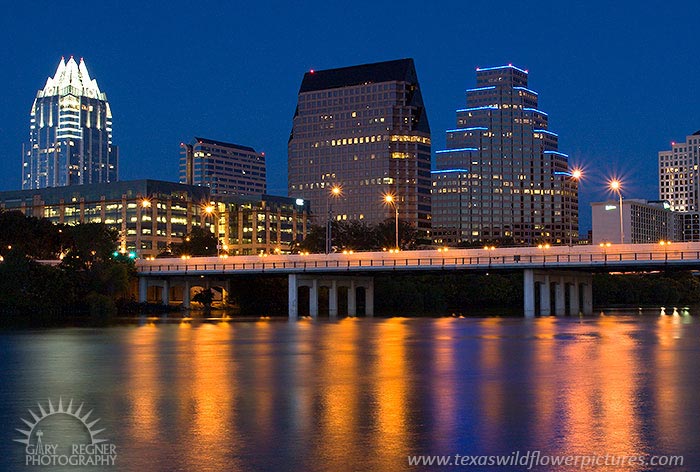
[
  {"x": 576, "y": 175},
  {"x": 389, "y": 199},
  {"x": 335, "y": 192},
  {"x": 143, "y": 205},
  {"x": 616, "y": 186}
]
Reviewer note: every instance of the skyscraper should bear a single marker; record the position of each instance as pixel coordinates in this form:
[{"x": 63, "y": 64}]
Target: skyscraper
[
  {"x": 227, "y": 169},
  {"x": 679, "y": 182},
  {"x": 502, "y": 175},
  {"x": 365, "y": 129},
  {"x": 70, "y": 132}
]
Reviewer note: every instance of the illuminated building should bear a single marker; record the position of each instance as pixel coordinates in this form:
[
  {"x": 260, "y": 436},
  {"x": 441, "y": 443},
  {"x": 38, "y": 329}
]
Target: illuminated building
[
  {"x": 365, "y": 129},
  {"x": 642, "y": 222},
  {"x": 70, "y": 137},
  {"x": 679, "y": 182},
  {"x": 149, "y": 215},
  {"x": 501, "y": 175},
  {"x": 227, "y": 169}
]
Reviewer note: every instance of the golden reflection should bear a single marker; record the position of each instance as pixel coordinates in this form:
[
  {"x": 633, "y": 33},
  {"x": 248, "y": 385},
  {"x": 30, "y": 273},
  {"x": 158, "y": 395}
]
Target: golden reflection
[
  {"x": 303, "y": 369},
  {"x": 264, "y": 365},
  {"x": 544, "y": 356},
  {"x": 210, "y": 393},
  {"x": 142, "y": 361},
  {"x": 339, "y": 369},
  {"x": 391, "y": 387},
  {"x": 669, "y": 389},
  {"x": 600, "y": 388},
  {"x": 445, "y": 394},
  {"x": 492, "y": 394}
]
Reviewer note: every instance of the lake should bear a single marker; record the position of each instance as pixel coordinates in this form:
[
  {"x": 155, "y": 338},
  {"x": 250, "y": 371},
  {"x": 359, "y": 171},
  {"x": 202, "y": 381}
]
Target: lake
[{"x": 359, "y": 394}]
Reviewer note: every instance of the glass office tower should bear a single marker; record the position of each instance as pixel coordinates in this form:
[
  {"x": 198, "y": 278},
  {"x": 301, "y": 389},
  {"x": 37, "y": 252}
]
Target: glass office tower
[
  {"x": 502, "y": 176},
  {"x": 365, "y": 129},
  {"x": 70, "y": 132},
  {"x": 226, "y": 168}
]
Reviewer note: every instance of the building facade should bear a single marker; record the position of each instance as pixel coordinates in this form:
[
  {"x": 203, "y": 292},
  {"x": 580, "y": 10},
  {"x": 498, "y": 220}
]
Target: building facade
[
  {"x": 151, "y": 215},
  {"x": 363, "y": 128},
  {"x": 227, "y": 169},
  {"x": 501, "y": 175},
  {"x": 679, "y": 179},
  {"x": 642, "y": 222},
  {"x": 70, "y": 132}
]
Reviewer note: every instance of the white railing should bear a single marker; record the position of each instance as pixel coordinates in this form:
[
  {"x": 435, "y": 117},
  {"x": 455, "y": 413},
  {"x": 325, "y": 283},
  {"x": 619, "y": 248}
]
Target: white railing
[{"x": 638, "y": 255}]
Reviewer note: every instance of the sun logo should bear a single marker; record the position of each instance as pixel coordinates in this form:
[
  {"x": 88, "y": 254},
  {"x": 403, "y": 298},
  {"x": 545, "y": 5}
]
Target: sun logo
[
  {"x": 64, "y": 436},
  {"x": 58, "y": 410}
]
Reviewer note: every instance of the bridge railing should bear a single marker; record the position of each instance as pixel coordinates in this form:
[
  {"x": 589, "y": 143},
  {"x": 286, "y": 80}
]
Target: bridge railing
[{"x": 383, "y": 261}]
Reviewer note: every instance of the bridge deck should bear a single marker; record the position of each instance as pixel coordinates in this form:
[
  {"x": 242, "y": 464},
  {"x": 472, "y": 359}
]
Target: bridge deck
[{"x": 589, "y": 258}]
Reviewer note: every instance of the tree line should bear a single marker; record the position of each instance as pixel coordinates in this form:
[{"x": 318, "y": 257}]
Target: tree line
[{"x": 86, "y": 286}]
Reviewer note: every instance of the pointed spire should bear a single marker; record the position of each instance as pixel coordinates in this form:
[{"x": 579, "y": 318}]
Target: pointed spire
[
  {"x": 83, "y": 71},
  {"x": 70, "y": 73},
  {"x": 61, "y": 68}
]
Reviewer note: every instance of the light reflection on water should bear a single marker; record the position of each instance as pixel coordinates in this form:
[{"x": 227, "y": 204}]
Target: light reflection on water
[{"x": 362, "y": 394}]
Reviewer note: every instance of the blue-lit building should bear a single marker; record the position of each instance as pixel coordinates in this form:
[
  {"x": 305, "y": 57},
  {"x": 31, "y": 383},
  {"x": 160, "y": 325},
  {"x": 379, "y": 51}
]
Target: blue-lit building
[
  {"x": 70, "y": 132},
  {"x": 501, "y": 175}
]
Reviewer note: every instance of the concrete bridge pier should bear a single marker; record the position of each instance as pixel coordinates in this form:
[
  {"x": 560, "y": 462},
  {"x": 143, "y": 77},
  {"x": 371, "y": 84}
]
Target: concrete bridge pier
[
  {"x": 580, "y": 292},
  {"x": 332, "y": 283},
  {"x": 143, "y": 289}
]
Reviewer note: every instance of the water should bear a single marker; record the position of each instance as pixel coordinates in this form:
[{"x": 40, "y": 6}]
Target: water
[{"x": 362, "y": 394}]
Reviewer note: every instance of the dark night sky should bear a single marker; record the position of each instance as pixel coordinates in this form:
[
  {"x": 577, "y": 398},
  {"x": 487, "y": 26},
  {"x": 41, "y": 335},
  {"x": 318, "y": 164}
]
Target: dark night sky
[{"x": 619, "y": 80}]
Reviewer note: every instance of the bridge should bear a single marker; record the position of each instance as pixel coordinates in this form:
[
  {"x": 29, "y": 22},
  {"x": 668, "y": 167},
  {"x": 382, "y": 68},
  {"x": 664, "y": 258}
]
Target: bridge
[{"x": 556, "y": 280}]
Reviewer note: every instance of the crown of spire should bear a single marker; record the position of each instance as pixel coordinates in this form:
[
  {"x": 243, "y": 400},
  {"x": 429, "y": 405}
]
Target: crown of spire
[{"x": 73, "y": 75}]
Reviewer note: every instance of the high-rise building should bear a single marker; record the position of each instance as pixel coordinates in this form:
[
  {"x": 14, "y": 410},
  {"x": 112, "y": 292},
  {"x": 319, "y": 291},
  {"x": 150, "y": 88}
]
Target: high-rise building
[
  {"x": 365, "y": 129},
  {"x": 501, "y": 175},
  {"x": 70, "y": 132},
  {"x": 227, "y": 169},
  {"x": 679, "y": 178}
]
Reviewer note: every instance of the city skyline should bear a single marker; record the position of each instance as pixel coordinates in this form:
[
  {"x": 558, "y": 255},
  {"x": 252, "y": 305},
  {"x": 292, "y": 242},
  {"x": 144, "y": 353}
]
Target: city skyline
[{"x": 609, "y": 133}]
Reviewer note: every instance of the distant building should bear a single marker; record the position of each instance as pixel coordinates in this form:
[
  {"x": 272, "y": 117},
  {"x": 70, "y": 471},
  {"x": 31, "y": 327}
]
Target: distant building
[
  {"x": 365, "y": 129},
  {"x": 227, "y": 169},
  {"x": 642, "y": 222},
  {"x": 679, "y": 178},
  {"x": 501, "y": 175},
  {"x": 70, "y": 132},
  {"x": 150, "y": 214},
  {"x": 691, "y": 226}
]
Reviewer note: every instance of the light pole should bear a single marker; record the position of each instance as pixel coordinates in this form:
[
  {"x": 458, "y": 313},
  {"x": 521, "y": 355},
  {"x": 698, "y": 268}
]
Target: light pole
[
  {"x": 141, "y": 207},
  {"x": 616, "y": 186},
  {"x": 391, "y": 200},
  {"x": 210, "y": 210},
  {"x": 335, "y": 192},
  {"x": 576, "y": 175}
]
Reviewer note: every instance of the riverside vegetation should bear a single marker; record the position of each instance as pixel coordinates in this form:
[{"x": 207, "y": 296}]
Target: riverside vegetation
[{"x": 92, "y": 283}]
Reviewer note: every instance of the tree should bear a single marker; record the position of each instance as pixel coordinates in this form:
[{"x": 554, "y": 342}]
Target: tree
[
  {"x": 199, "y": 242},
  {"x": 205, "y": 297},
  {"x": 386, "y": 234},
  {"x": 88, "y": 280},
  {"x": 315, "y": 241},
  {"x": 36, "y": 238}
]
